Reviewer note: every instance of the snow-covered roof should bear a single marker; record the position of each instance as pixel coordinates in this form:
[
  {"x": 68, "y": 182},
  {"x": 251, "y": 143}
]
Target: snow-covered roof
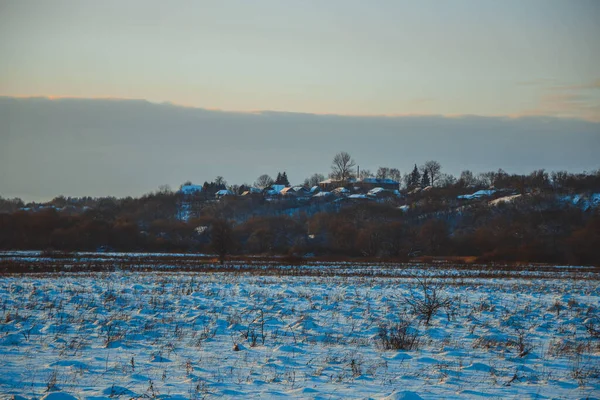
[
  {"x": 377, "y": 190},
  {"x": 224, "y": 192},
  {"x": 322, "y": 194},
  {"x": 358, "y": 196},
  {"x": 505, "y": 199},
  {"x": 315, "y": 189},
  {"x": 377, "y": 181},
  {"x": 341, "y": 190},
  {"x": 277, "y": 188},
  {"x": 288, "y": 191},
  {"x": 328, "y": 181},
  {"x": 190, "y": 189},
  {"x": 477, "y": 194}
]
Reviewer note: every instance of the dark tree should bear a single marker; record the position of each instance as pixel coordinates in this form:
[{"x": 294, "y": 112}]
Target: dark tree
[
  {"x": 425, "y": 179},
  {"x": 282, "y": 179},
  {"x": 415, "y": 178},
  {"x": 221, "y": 238}
]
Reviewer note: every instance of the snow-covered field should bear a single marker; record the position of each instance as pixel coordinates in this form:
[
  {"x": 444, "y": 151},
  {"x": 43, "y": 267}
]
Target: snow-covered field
[{"x": 240, "y": 335}]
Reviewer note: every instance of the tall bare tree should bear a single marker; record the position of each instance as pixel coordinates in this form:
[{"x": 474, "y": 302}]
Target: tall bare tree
[
  {"x": 341, "y": 166},
  {"x": 263, "y": 181},
  {"x": 433, "y": 169}
]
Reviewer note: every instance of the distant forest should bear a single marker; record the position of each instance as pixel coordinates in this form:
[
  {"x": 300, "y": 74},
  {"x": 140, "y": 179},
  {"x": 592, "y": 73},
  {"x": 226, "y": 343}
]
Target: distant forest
[{"x": 493, "y": 216}]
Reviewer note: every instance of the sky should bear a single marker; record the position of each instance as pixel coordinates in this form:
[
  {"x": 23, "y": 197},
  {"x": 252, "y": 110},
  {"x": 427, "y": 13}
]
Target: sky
[{"x": 377, "y": 60}]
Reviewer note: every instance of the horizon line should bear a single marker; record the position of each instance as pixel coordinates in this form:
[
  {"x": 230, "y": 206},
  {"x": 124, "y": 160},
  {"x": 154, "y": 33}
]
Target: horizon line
[{"x": 524, "y": 114}]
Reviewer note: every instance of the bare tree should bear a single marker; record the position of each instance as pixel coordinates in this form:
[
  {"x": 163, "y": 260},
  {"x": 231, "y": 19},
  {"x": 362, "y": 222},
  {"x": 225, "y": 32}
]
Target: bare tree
[
  {"x": 467, "y": 178},
  {"x": 314, "y": 180},
  {"x": 427, "y": 303},
  {"x": 389, "y": 173},
  {"x": 220, "y": 181},
  {"x": 365, "y": 173},
  {"x": 395, "y": 174},
  {"x": 383, "y": 173},
  {"x": 341, "y": 166},
  {"x": 433, "y": 169},
  {"x": 446, "y": 180},
  {"x": 263, "y": 181}
]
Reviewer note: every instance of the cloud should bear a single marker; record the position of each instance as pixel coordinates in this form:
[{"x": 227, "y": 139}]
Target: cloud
[
  {"x": 570, "y": 101},
  {"x": 128, "y": 147},
  {"x": 586, "y": 86}
]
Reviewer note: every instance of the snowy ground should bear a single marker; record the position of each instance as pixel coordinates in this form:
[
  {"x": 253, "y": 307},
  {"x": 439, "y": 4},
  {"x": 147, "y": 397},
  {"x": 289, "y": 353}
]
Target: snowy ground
[{"x": 239, "y": 335}]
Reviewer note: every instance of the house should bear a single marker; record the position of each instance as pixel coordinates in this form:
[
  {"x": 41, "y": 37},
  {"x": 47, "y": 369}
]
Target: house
[
  {"x": 274, "y": 190},
  {"x": 190, "y": 189},
  {"x": 222, "y": 193},
  {"x": 341, "y": 191},
  {"x": 330, "y": 184},
  {"x": 367, "y": 184},
  {"x": 359, "y": 197},
  {"x": 381, "y": 193},
  {"x": 301, "y": 191},
  {"x": 253, "y": 193},
  {"x": 322, "y": 195},
  {"x": 288, "y": 192}
]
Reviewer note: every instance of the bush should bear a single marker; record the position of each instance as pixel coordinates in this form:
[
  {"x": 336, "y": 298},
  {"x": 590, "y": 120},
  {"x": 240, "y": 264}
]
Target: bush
[
  {"x": 400, "y": 336},
  {"x": 426, "y": 304}
]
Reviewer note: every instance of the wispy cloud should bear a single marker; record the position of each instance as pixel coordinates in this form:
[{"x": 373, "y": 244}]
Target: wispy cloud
[{"x": 569, "y": 101}]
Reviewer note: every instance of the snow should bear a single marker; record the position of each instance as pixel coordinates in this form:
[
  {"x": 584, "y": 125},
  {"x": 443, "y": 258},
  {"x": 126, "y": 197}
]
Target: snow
[
  {"x": 505, "y": 199},
  {"x": 583, "y": 201},
  {"x": 376, "y": 191},
  {"x": 189, "y": 335},
  {"x": 341, "y": 190},
  {"x": 323, "y": 194},
  {"x": 277, "y": 188},
  {"x": 478, "y": 194},
  {"x": 224, "y": 192}
]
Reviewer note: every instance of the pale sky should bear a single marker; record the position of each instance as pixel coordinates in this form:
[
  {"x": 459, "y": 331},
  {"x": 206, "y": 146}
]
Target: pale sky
[
  {"x": 479, "y": 57},
  {"x": 477, "y": 85}
]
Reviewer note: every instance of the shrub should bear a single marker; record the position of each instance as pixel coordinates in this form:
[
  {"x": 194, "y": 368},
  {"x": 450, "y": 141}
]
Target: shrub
[
  {"x": 400, "y": 336},
  {"x": 429, "y": 301}
]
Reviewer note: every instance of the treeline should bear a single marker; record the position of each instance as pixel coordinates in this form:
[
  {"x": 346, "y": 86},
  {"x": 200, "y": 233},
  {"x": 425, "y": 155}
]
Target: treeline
[
  {"x": 547, "y": 223},
  {"x": 532, "y": 230}
]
